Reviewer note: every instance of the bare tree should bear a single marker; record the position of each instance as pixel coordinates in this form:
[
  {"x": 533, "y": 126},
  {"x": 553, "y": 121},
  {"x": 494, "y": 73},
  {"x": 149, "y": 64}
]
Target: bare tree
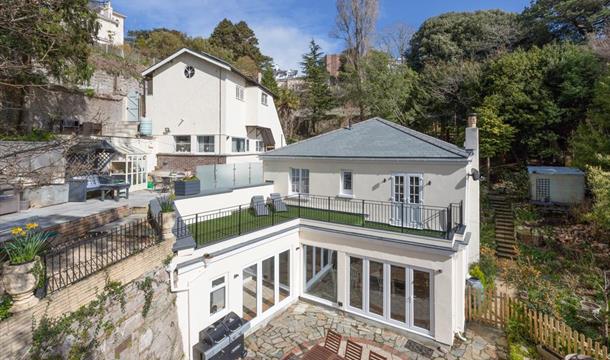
[
  {"x": 395, "y": 39},
  {"x": 355, "y": 25}
]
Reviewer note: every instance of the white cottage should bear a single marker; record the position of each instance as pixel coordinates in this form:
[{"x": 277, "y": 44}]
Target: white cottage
[
  {"x": 201, "y": 110},
  {"x": 380, "y": 221},
  {"x": 556, "y": 184}
]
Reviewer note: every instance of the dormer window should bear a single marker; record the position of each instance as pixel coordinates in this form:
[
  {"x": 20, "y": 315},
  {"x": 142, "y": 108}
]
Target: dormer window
[
  {"x": 239, "y": 92},
  {"x": 264, "y": 99},
  {"x": 189, "y": 71}
]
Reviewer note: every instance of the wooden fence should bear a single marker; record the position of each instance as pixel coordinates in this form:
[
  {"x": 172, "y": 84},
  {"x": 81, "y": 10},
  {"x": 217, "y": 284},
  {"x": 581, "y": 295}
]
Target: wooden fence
[{"x": 494, "y": 309}]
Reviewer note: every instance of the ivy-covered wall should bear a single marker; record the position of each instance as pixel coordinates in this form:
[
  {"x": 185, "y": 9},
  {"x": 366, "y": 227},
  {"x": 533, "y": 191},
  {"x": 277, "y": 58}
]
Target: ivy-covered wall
[{"x": 133, "y": 321}]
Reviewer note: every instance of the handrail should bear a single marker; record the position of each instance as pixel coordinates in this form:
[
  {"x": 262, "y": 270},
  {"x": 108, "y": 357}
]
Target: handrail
[{"x": 223, "y": 223}]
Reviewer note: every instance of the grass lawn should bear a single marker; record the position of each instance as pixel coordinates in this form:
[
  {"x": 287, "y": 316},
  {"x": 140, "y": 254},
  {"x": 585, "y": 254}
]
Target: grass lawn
[{"x": 241, "y": 223}]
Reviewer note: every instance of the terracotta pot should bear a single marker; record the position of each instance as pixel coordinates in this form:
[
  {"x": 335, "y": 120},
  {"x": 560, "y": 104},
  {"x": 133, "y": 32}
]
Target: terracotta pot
[
  {"x": 168, "y": 220},
  {"x": 19, "y": 282}
]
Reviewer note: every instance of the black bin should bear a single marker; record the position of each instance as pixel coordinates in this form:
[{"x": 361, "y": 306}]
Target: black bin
[{"x": 223, "y": 340}]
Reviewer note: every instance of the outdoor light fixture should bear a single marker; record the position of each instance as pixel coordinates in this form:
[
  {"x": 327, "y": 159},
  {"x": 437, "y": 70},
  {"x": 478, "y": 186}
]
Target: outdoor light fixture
[{"x": 475, "y": 175}]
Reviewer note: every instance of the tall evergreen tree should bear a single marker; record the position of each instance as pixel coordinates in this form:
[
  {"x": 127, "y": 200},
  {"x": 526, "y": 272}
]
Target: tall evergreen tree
[
  {"x": 240, "y": 40},
  {"x": 318, "y": 100}
]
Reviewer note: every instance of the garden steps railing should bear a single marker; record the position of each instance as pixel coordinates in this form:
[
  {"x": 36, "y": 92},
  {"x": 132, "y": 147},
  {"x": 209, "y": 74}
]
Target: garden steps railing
[
  {"x": 496, "y": 309},
  {"x": 216, "y": 225}
]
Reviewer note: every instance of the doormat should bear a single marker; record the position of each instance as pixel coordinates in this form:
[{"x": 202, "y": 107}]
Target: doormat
[{"x": 419, "y": 348}]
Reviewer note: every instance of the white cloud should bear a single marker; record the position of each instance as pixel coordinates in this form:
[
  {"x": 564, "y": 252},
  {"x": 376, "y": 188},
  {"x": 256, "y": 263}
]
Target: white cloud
[{"x": 284, "y": 28}]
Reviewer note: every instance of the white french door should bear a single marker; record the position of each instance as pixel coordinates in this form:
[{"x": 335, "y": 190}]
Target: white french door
[
  {"x": 407, "y": 196},
  {"x": 265, "y": 284},
  {"x": 397, "y": 294}
]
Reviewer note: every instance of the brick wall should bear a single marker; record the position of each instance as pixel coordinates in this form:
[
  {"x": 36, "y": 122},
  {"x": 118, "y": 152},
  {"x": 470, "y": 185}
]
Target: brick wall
[
  {"x": 80, "y": 226},
  {"x": 16, "y": 331},
  {"x": 186, "y": 162}
]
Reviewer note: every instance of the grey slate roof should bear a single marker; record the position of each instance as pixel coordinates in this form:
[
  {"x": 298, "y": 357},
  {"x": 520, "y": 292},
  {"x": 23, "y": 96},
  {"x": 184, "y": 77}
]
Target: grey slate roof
[{"x": 374, "y": 138}]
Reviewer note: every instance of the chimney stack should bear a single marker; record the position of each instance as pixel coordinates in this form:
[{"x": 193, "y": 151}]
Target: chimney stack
[
  {"x": 472, "y": 134},
  {"x": 259, "y": 77},
  {"x": 472, "y": 120}
]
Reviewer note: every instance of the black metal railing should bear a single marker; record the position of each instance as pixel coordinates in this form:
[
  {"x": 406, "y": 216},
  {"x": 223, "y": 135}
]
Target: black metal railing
[
  {"x": 217, "y": 225},
  {"x": 76, "y": 259}
]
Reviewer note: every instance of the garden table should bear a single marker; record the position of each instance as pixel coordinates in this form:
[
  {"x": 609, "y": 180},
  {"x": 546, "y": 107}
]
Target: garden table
[{"x": 319, "y": 352}]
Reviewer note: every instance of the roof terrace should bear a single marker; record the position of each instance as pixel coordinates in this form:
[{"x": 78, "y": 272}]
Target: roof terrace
[{"x": 223, "y": 224}]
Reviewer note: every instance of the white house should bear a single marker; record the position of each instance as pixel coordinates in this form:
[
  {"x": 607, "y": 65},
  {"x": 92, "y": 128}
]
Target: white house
[
  {"x": 381, "y": 222},
  {"x": 202, "y": 110},
  {"x": 111, "y": 23}
]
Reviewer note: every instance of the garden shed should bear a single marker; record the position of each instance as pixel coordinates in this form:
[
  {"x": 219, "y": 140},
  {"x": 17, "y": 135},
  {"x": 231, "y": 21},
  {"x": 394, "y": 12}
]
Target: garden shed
[{"x": 556, "y": 184}]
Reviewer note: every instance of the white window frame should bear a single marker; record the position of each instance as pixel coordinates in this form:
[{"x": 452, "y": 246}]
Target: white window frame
[
  {"x": 218, "y": 314},
  {"x": 190, "y": 145},
  {"x": 264, "y": 99},
  {"x": 409, "y": 323},
  {"x": 343, "y": 191},
  {"x": 260, "y": 146},
  {"x": 240, "y": 92},
  {"x": 237, "y": 147},
  {"x": 300, "y": 183},
  {"x": 201, "y": 144}
]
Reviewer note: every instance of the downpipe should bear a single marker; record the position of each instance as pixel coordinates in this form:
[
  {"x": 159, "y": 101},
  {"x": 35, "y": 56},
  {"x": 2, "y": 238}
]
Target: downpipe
[{"x": 460, "y": 336}]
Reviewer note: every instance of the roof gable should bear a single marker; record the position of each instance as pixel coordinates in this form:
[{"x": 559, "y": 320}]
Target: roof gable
[
  {"x": 373, "y": 138},
  {"x": 209, "y": 58}
]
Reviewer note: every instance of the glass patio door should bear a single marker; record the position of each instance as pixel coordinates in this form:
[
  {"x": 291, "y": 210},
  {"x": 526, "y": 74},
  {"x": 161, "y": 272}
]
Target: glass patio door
[
  {"x": 265, "y": 284},
  {"x": 407, "y": 192},
  {"x": 394, "y": 293}
]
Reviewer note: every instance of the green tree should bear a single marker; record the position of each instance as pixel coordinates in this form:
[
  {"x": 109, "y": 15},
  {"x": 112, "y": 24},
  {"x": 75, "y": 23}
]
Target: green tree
[
  {"x": 44, "y": 40},
  {"x": 240, "y": 40},
  {"x": 543, "y": 94},
  {"x": 547, "y": 20},
  {"x": 287, "y": 103},
  {"x": 599, "y": 182},
  {"x": 318, "y": 100},
  {"x": 591, "y": 141},
  {"x": 268, "y": 80},
  {"x": 496, "y": 136},
  {"x": 388, "y": 87},
  {"x": 463, "y": 36}
]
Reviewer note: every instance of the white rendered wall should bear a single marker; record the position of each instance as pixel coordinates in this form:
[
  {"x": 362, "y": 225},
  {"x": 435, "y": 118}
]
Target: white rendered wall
[
  {"x": 444, "y": 183},
  {"x": 236, "y": 197}
]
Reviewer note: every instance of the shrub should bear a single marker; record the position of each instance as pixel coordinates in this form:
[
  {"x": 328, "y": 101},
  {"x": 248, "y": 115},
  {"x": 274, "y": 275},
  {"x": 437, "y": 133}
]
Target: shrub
[
  {"x": 5, "y": 306},
  {"x": 167, "y": 204},
  {"x": 599, "y": 183},
  {"x": 526, "y": 214},
  {"x": 190, "y": 178},
  {"x": 34, "y": 135},
  {"x": 26, "y": 244}
]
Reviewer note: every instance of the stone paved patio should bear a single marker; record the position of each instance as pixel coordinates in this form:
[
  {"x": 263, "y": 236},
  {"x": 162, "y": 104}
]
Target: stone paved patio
[{"x": 303, "y": 325}]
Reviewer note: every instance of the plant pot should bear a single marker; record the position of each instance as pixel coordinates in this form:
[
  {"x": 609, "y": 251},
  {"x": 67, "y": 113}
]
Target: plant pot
[
  {"x": 187, "y": 188},
  {"x": 19, "y": 282},
  {"x": 168, "y": 220}
]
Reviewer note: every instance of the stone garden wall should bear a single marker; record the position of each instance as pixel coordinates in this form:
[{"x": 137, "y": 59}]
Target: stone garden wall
[{"x": 125, "y": 311}]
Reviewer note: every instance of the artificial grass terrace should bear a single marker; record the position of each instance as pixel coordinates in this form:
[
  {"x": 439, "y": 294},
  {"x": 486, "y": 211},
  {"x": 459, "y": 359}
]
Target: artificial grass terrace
[{"x": 222, "y": 228}]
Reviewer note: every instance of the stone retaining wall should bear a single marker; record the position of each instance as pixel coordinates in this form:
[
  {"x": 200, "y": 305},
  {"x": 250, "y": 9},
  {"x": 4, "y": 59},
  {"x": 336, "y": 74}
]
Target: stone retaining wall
[
  {"x": 187, "y": 162},
  {"x": 132, "y": 333}
]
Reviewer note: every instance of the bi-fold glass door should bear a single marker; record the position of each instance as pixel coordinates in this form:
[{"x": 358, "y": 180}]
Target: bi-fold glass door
[
  {"x": 398, "y": 294},
  {"x": 265, "y": 284}
]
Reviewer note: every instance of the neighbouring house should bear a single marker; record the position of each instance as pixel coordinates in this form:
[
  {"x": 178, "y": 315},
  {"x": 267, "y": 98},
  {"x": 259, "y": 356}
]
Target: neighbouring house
[
  {"x": 556, "y": 185},
  {"x": 111, "y": 23},
  {"x": 201, "y": 110},
  {"x": 376, "y": 220}
]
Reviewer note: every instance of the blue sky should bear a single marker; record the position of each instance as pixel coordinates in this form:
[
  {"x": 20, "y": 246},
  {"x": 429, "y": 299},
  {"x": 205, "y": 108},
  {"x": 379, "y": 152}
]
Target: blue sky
[{"x": 284, "y": 27}]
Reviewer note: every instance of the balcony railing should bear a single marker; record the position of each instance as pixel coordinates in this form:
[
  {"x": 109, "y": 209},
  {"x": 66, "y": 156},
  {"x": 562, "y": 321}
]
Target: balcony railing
[{"x": 222, "y": 224}]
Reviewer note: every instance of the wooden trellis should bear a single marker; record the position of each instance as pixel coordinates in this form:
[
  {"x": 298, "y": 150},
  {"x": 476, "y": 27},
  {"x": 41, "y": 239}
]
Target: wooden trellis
[{"x": 88, "y": 157}]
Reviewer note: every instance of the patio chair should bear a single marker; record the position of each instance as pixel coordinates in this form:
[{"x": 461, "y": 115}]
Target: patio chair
[
  {"x": 374, "y": 356},
  {"x": 257, "y": 203},
  {"x": 333, "y": 341},
  {"x": 276, "y": 201},
  {"x": 353, "y": 351}
]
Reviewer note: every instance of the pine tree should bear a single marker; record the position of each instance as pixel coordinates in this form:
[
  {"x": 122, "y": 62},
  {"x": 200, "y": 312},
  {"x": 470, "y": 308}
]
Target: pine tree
[{"x": 318, "y": 100}]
